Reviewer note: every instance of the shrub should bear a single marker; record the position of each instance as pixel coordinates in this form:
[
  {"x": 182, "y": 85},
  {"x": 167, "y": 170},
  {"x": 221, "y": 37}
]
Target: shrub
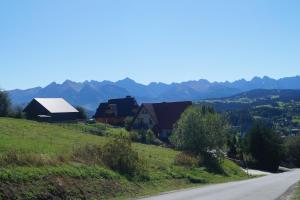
[
  {"x": 186, "y": 160},
  {"x": 150, "y": 137},
  {"x": 82, "y": 113},
  {"x": 20, "y": 158},
  {"x": 90, "y": 154},
  {"x": 195, "y": 179},
  {"x": 145, "y": 137},
  {"x": 134, "y": 136},
  {"x": 213, "y": 163},
  {"x": 119, "y": 155},
  {"x": 127, "y": 122}
]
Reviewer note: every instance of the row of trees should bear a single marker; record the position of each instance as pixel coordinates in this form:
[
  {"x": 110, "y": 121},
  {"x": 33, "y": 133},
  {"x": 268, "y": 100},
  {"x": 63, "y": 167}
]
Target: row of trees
[{"x": 205, "y": 133}]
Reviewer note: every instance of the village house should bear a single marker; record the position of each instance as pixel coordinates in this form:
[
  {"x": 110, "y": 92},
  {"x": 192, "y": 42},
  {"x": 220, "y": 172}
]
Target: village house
[
  {"x": 50, "y": 110},
  {"x": 160, "y": 117},
  {"x": 115, "y": 111}
]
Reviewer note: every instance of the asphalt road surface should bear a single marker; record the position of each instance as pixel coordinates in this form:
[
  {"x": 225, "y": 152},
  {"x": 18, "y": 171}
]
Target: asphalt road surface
[{"x": 269, "y": 187}]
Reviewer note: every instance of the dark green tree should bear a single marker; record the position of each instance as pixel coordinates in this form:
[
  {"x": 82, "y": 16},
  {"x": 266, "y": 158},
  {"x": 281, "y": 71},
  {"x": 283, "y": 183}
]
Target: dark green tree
[
  {"x": 82, "y": 113},
  {"x": 292, "y": 145},
  {"x": 18, "y": 112},
  {"x": 234, "y": 145},
  {"x": 265, "y": 146},
  {"x": 5, "y": 104}
]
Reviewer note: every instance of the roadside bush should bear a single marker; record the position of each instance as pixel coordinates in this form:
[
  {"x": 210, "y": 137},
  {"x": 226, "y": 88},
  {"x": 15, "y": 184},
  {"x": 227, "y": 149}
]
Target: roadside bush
[
  {"x": 265, "y": 146},
  {"x": 213, "y": 163},
  {"x": 186, "y": 160},
  {"x": 119, "y": 155},
  {"x": 292, "y": 145},
  {"x": 195, "y": 179}
]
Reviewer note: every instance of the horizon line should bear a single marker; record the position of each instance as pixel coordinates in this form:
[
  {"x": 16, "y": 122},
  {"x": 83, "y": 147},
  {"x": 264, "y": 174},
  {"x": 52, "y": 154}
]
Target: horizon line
[{"x": 157, "y": 82}]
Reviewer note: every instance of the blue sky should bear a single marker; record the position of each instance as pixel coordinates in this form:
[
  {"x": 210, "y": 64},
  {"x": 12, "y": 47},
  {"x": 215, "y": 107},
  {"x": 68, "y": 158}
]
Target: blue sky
[{"x": 146, "y": 40}]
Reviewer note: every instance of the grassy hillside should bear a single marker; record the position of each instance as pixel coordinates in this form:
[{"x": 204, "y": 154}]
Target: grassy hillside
[{"x": 36, "y": 163}]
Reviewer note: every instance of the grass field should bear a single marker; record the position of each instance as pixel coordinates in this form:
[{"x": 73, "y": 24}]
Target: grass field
[
  {"x": 297, "y": 197},
  {"x": 48, "y": 171}
]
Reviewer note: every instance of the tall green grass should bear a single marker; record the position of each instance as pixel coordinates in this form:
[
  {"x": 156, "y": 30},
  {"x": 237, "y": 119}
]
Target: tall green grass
[{"x": 33, "y": 151}]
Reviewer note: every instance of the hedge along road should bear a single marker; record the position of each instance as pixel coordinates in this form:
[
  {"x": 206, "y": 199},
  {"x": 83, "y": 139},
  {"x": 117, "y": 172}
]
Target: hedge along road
[{"x": 269, "y": 187}]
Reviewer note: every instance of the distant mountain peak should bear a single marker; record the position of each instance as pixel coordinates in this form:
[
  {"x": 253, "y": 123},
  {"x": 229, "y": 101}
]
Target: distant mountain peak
[
  {"x": 256, "y": 78},
  {"x": 68, "y": 82},
  {"x": 127, "y": 80},
  {"x": 89, "y": 93},
  {"x": 52, "y": 84}
]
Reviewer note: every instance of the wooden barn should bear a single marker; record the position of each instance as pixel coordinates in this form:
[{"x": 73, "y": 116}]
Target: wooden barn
[
  {"x": 50, "y": 110},
  {"x": 115, "y": 111},
  {"x": 160, "y": 117}
]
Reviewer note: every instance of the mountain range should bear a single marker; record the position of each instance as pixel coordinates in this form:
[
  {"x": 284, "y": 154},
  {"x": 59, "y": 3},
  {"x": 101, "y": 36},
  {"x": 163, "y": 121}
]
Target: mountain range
[{"x": 89, "y": 94}]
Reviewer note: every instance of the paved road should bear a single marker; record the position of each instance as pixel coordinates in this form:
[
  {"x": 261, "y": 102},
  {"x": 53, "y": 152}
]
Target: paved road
[{"x": 269, "y": 187}]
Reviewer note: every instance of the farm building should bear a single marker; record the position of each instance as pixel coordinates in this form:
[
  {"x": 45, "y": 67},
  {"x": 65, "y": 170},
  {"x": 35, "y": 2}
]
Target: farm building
[
  {"x": 160, "y": 117},
  {"x": 50, "y": 109},
  {"x": 115, "y": 111}
]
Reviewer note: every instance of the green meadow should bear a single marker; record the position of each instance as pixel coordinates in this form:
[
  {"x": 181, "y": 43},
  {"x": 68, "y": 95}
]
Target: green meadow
[{"x": 37, "y": 162}]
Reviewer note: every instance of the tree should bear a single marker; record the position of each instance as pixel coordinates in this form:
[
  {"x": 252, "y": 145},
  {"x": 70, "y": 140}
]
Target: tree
[
  {"x": 4, "y": 104},
  {"x": 265, "y": 146},
  {"x": 200, "y": 131},
  {"x": 234, "y": 144},
  {"x": 18, "y": 112},
  {"x": 293, "y": 150},
  {"x": 82, "y": 113}
]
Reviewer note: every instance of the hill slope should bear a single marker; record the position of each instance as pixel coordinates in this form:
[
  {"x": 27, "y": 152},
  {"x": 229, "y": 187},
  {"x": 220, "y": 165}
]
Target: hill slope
[{"x": 35, "y": 164}]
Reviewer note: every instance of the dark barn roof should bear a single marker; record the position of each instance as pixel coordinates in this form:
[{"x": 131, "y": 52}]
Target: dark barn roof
[
  {"x": 123, "y": 107},
  {"x": 166, "y": 114}
]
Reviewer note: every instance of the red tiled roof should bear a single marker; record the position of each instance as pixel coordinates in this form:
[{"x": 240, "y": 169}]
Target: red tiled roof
[{"x": 167, "y": 113}]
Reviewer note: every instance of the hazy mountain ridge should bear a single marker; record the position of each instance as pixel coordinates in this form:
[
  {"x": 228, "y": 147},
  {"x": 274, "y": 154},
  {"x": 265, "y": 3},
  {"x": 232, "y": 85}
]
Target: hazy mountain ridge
[{"x": 90, "y": 93}]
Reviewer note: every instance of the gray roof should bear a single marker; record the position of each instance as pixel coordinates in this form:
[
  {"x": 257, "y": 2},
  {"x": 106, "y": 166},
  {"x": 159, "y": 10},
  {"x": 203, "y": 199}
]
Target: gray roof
[{"x": 56, "y": 105}]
